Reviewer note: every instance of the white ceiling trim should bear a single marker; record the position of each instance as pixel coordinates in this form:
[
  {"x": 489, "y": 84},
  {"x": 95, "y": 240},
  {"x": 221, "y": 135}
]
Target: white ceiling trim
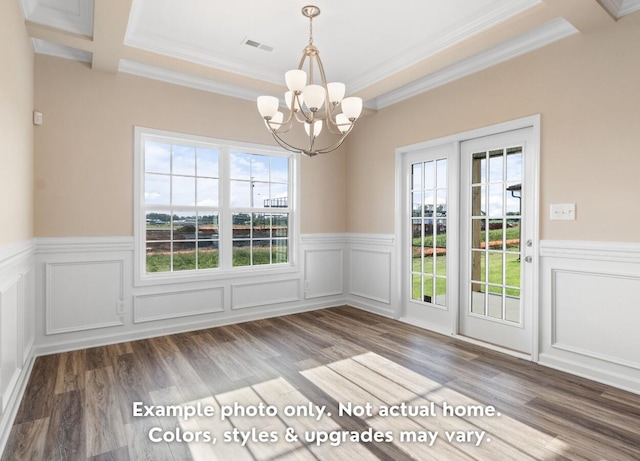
[
  {"x": 620, "y": 8},
  {"x": 78, "y": 19},
  {"x": 464, "y": 30},
  {"x": 60, "y": 51},
  {"x": 168, "y": 48},
  {"x": 550, "y": 32},
  {"x": 190, "y": 81}
]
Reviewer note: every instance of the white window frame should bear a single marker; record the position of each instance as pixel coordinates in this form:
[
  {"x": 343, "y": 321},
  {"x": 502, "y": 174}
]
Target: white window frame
[{"x": 225, "y": 269}]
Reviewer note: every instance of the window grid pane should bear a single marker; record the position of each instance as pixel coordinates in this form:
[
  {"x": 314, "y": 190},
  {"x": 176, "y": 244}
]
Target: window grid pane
[
  {"x": 181, "y": 199},
  {"x": 428, "y": 194},
  {"x": 496, "y": 177}
]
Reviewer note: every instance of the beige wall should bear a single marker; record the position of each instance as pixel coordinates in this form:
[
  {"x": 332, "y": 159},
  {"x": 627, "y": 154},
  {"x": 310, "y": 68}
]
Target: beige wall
[
  {"x": 585, "y": 87},
  {"x": 84, "y": 150},
  {"x": 587, "y": 90},
  {"x": 16, "y": 129}
]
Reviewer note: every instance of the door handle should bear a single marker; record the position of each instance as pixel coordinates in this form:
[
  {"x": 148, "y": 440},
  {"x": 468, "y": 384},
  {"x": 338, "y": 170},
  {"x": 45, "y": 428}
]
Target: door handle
[
  {"x": 529, "y": 243},
  {"x": 528, "y": 259}
]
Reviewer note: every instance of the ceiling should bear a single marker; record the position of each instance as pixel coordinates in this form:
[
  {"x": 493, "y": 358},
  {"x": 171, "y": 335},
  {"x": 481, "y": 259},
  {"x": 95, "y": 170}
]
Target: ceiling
[{"x": 384, "y": 54}]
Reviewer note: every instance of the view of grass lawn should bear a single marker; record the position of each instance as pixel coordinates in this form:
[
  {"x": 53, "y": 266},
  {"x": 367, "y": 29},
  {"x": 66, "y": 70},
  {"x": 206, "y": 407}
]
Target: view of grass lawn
[
  {"x": 208, "y": 258},
  {"x": 511, "y": 272}
]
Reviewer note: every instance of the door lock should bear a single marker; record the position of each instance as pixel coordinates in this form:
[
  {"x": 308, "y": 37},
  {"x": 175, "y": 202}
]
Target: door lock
[
  {"x": 529, "y": 243},
  {"x": 528, "y": 259}
]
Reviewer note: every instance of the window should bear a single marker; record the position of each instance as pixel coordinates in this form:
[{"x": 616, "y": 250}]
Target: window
[{"x": 206, "y": 206}]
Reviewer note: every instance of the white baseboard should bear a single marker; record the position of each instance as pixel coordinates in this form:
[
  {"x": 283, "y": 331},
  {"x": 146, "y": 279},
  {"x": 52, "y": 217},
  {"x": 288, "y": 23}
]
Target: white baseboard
[
  {"x": 13, "y": 402},
  {"x": 598, "y": 374}
]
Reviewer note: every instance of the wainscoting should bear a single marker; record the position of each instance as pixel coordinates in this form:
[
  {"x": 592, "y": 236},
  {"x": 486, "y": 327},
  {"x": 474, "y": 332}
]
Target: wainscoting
[
  {"x": 87, "y": 297},
  {"x": 590, "y": 310},
  {"x": 17, "y": 333},
  {"x": 61, "y": 294},
  {"x": 589, "y": 297},
  {"x": 372, "y": 273}
]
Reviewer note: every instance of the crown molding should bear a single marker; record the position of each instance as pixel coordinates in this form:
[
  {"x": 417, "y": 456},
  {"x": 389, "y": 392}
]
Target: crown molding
[
  {"x": 457, "y": 33},
  {"x": 620, "y": 8},
  {"x": 546, "y": 34},
  {"x": 191, "y": 81},
  {"x": 60, "y": 51},
  {"x": 76, "y": 17}
]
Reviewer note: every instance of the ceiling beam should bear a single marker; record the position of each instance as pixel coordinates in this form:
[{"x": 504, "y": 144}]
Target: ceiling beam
[
  {"x": 59, "y": 36},
  {"x": 110, "y": 18},
  {"x": 584, "y": 15}
]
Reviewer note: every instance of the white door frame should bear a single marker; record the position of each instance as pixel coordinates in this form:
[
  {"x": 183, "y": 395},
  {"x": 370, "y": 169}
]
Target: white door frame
[{"x": 401, "y": 211}]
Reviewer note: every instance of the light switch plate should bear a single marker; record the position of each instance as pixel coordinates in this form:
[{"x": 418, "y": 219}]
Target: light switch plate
[{"x": 563, "y": 212}]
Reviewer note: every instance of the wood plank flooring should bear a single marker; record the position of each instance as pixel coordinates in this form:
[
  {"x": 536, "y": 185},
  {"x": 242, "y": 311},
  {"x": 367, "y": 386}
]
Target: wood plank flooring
[{"x": 347, "y": 363}]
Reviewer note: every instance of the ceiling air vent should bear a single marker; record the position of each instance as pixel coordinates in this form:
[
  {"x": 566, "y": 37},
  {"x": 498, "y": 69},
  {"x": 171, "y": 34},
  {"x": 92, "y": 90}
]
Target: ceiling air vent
[{"x": 260, "y": 46}]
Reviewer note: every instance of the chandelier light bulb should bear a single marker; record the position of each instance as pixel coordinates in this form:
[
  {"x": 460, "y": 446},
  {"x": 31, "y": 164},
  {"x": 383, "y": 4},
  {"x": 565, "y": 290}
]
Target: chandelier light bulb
[
  {"x": 343, "y": 123},
  {"x": 336, "y": 92},
  {"x": 268, "y": 106},
  {"x": 314, "y": 96},
  {"x": 288, "y": 98},
  {"x": 276, "y": 121},
  {"x": 296, "y": 79},
  {"x": 352, "y": 107},
  {"x": 317, "y": 128}
]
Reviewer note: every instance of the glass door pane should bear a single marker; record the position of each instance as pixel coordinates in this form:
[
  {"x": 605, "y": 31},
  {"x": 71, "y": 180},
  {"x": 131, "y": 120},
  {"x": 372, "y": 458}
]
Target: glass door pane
[
  {"x": 428, "y": 224},
  {"x": 495, "y": 219}
]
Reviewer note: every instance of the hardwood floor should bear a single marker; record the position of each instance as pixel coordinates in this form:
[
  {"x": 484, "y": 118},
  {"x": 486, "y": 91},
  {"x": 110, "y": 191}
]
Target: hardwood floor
[{"x": 80, "y": 405}]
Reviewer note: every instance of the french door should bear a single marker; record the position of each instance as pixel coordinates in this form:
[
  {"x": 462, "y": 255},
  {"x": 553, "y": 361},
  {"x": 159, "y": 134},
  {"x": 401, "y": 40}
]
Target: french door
[
  {"x": 469, "y": 237},
  {"x": 496, "y": 240},
  {"x": 430, "y": 226}
]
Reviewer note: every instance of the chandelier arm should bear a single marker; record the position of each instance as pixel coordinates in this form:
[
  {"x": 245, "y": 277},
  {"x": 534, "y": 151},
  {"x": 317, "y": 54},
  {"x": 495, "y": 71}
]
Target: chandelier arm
[
  {"x": 282, "y": 128},
  {"x": 333, "y": 147},
  {"x": 299, "y": 119},
  {"x": 285, "y": 145},
  {"x": 311, "y": 151},
  {"x": 334, "y": 128},
  {"x": 308, "y": 116}
]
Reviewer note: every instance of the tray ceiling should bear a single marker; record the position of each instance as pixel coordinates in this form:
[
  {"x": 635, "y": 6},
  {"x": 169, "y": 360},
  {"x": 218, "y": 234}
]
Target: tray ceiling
[{"x": 385, "y": 52}]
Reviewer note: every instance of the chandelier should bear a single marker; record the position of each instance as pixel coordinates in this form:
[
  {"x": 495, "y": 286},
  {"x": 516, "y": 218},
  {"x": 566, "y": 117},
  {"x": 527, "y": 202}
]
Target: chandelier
[{"x": 314, "y": 105}]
